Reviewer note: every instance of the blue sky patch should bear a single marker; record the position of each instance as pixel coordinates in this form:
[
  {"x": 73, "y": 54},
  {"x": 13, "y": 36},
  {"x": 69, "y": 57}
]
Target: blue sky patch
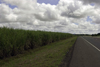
[
  {"x": 52, "y": 2},
  {"x": 11, "y": 6},
  {"x": 88, "y": 19},
  {"x": 92, "y": 4},
  {"x": 76, "y": 23}
]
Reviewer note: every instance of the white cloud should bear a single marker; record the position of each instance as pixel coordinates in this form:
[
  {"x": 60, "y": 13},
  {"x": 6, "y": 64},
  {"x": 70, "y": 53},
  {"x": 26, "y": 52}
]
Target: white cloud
[
  {"x": 66, "y": 16},
  {"x": 96, "y": 2},
  {"x": 24, "y": 4},
  {"x": 11, "y": 17}
]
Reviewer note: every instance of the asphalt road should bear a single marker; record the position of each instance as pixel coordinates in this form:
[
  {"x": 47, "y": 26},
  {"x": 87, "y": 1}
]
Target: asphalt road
[{"x": 86, "y": 52}]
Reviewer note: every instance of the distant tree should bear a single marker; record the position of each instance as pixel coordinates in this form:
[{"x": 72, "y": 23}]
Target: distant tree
[{"x": 98, "y": 34}]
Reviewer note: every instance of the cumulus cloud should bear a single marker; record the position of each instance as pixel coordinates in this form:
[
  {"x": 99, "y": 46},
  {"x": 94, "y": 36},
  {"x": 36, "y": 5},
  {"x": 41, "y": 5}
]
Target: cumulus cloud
[
  {"x": 24, "y": 4},
  {"x": 96, "y": 2},
  {"x": 66, "y": 16}
]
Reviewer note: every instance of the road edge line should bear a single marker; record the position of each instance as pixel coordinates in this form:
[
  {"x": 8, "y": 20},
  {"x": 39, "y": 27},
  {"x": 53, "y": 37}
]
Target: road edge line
[{"x": 91, "y": 44}]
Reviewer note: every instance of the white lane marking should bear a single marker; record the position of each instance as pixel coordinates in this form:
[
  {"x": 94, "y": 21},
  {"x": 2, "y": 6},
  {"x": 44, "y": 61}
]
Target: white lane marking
[{"x": 91, "y": 44}]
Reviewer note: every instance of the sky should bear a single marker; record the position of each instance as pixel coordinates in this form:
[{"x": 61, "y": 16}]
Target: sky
[
  {"x": 52, "y": 2},
  {"x": 74, "y": 16}
]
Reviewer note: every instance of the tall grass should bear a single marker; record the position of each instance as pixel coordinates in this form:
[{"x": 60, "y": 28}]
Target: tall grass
[{"x": 15, "y": 41}]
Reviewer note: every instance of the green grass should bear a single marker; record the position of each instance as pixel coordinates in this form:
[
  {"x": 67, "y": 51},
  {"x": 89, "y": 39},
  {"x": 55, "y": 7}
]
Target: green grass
[{"x": 50, "y": 55}]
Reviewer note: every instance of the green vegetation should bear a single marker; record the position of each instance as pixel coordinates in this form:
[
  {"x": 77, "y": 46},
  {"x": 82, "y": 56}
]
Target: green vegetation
[
  {"x": 16, "y": 41},
  {"x": 46, "y": 56},
  {"x": 96, "y": 34}
]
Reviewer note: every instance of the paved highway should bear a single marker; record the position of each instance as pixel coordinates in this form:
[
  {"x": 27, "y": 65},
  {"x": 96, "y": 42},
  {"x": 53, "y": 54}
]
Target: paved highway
[{"x": 86, "y": 52}]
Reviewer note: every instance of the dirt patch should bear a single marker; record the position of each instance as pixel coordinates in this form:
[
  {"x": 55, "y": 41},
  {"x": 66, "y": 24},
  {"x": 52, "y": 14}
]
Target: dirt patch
[{"x": 66, "y": 61}]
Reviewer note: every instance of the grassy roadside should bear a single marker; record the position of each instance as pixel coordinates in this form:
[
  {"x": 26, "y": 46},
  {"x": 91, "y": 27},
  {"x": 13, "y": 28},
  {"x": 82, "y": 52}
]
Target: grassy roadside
[{"x": 47, "y": 56}]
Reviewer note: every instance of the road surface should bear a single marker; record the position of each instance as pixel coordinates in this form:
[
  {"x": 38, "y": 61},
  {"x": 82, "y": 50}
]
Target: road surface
[{"x": 86, "y": 52}]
